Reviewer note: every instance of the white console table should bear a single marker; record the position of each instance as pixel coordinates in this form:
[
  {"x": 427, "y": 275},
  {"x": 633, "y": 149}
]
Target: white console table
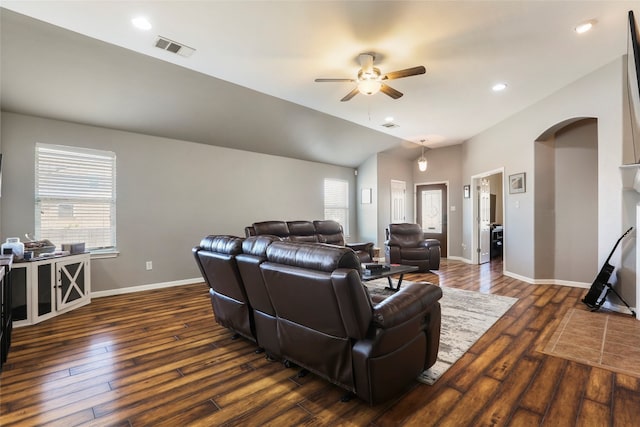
[{"x": 44, "y": 288}]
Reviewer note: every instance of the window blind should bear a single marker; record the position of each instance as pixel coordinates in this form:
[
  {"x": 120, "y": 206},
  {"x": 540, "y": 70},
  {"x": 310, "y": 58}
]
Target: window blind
[
  {"x": 336, "y": 202},
  {"x": 75, "y": 196}
]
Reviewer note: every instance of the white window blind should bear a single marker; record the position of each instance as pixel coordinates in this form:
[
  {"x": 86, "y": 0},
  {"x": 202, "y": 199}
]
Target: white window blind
[
  {"x": 76, "y": 196},
  {"x": 336, "y": 202}
]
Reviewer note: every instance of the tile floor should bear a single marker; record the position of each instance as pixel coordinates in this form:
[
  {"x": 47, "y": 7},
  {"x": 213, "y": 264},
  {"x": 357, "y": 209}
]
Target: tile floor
[{"x": 604, "y": 339}]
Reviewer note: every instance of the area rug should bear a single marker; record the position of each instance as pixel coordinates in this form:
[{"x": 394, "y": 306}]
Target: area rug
[
  {"x": 466, "y": 316},
  {"x": 602, "y": 339}
]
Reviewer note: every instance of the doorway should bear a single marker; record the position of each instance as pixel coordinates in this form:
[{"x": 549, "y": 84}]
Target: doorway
[
  {"x": 431, "y": 212},
  {"x": 488, "y": 217}
]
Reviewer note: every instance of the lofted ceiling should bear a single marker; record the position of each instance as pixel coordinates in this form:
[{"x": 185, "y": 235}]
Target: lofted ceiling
[{"x": 259, "y": 59}]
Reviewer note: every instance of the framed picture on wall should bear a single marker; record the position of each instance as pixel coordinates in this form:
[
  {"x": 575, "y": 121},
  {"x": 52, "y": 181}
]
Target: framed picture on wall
[
  {"x": 467, "y": 191},
  {"x": 517, "y": 183}
]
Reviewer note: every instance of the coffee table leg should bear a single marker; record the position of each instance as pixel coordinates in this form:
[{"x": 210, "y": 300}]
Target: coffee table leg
[{"x": 397, "y": 288}]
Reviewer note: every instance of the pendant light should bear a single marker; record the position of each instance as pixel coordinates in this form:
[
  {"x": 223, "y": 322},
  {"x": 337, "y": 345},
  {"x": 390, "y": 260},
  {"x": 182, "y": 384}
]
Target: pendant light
[{"x": 422, "y": 161}]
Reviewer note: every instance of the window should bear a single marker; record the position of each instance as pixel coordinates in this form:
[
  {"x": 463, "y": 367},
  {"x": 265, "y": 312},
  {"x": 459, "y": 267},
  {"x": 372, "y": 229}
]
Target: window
[
  {"x": 76, "y": 196},
  {"x": 336, "y": 202}
]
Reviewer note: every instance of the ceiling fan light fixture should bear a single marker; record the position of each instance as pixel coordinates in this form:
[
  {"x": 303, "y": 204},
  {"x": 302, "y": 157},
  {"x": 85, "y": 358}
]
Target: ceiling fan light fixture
[
  {"x": 422, "y": 161},
  {"x": 369, "y": 87},
  {"x": 422, "y": 164}
]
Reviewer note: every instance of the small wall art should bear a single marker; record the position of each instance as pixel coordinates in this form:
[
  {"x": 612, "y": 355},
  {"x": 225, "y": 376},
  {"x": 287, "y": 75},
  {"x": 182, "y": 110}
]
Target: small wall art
[{"x": 517, "y": 183}]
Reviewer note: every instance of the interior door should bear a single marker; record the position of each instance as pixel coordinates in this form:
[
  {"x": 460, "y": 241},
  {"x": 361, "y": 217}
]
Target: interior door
[
  {"x": 431, "y": 213},
  {"x": 398, "y": 201},
  {"x": 484, "y": 222}
]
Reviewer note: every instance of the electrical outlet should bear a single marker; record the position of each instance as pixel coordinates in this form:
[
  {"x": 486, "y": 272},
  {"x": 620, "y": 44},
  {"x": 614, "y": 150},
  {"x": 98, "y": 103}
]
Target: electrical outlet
[{"x": 149, "y": 265}]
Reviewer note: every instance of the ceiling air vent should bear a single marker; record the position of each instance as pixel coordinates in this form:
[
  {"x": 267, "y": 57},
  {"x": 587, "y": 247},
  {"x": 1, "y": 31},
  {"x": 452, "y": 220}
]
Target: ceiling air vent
[
  {"x": 390, "y": 125},
  {"x": 174, "y": 47}
]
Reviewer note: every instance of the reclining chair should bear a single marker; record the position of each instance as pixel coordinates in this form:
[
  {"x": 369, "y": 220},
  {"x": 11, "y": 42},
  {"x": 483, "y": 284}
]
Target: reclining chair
[
  {"x": 407, "y": 246},
  {"x": 328, "y": 324},
  {"x": 216, "y": 258}
]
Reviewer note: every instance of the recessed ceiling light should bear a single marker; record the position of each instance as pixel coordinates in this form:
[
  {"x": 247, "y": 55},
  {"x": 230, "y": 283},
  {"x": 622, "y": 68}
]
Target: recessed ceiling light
[
  {"x": 388, "y": 119},
  {"x": 141, "y": 22},
  {"x": 499, "y": 87},
  {"x": 585, "y": 26}
]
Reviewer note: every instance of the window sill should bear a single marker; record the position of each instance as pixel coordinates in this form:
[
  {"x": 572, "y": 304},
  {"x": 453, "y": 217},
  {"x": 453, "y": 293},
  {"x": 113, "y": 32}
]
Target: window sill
[{"x": 104, "y": 254}]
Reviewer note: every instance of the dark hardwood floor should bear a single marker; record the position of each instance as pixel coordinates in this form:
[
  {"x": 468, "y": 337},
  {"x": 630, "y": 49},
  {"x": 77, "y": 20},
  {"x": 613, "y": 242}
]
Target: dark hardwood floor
[{"x": 158, "y": 358}]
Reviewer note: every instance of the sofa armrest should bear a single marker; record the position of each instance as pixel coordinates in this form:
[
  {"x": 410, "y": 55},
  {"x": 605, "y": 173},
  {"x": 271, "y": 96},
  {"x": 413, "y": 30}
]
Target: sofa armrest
[
  {"x": 429, "y": 243},
  {"x": 366, "y": 247},
  {"x": 406, "y": 304}
]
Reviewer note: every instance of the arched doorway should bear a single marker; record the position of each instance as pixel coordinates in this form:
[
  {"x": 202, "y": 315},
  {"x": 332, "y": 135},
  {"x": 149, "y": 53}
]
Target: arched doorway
[{"x": 566, "y": 202}]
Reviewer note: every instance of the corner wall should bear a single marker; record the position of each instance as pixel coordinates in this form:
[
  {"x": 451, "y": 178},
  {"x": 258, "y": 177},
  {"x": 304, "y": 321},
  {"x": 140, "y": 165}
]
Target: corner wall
[{"x": 510, "y": 144}]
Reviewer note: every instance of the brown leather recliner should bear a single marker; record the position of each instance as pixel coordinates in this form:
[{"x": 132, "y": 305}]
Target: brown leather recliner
[
  {"x": 254, "y": 253},
  {"x": 407, "y": 246},
  {"x": 327, "y": 323},
  {"x": 216, "y": 258}
]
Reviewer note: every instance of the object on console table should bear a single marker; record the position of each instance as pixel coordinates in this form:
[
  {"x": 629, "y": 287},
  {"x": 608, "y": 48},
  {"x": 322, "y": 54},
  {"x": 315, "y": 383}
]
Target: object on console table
[{"x": 39, "y": 247}]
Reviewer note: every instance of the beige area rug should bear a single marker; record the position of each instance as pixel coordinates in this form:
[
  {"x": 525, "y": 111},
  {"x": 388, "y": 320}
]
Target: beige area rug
[
  {"x": 466, "y": 316},
  {"x": 602, "y": 339}
]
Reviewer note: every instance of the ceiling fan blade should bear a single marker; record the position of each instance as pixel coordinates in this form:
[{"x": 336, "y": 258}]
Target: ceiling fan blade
[
  {"x": 351, "y": 94},
  {"x": 388, "y": 90},
  {"x": 334, "y": 80},
  {"x": 414, "y": 71}
]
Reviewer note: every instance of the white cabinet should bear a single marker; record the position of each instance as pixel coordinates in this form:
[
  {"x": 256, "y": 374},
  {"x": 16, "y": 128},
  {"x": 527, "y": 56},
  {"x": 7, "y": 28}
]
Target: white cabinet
[{"x": 48, "y": 287}]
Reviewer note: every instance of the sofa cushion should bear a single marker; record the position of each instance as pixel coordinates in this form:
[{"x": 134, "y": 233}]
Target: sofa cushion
[
  {"x": 329, "y": 231},
  {"x": 230, "y": 245},
  {"x": 313, "y": 256},
  {"x": 274, "y": 228},
  {"x": 414, "y": 253},
  {"x": 302, "y": 231}
]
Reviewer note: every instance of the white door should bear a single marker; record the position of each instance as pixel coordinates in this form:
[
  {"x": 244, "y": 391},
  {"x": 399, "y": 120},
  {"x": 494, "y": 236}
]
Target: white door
[
  {"x": 398, "y": 201},
  {"x": 484, "y": 222}
]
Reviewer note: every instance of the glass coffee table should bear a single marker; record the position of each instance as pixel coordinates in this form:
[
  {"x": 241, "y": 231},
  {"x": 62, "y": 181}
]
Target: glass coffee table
[{"x": 391, "y": 271}]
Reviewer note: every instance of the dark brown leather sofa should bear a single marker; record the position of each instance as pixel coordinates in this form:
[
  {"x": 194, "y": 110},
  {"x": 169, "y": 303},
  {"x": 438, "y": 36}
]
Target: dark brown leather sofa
[
  {"x": 406, "y": 245},
  {"x": 313, "y": 310},
  {"x": 319, "y": 231}
]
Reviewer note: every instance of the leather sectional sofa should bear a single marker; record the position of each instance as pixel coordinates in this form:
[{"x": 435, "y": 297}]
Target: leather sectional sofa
[
  {"x": 305, "y": 303},
  {"x": 325, "y": 231}
]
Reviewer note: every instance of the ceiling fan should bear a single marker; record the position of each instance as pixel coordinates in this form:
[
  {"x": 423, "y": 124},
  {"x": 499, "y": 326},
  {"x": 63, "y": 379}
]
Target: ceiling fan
[{"x": 371, "y": 81}]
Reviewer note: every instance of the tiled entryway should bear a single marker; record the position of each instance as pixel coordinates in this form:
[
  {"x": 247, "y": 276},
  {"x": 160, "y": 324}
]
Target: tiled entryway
[{"x": 603, "y": 339}]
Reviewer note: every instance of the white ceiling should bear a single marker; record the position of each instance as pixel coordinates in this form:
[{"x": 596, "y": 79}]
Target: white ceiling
[{"x": 279, "y": 48}]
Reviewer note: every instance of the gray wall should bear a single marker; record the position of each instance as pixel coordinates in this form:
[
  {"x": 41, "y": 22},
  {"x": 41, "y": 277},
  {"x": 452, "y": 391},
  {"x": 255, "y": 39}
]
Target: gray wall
[
  {"x": 367, "y": 214},
  {"x": 566, "y": 207},
  {"x": 445, "y": 165},
  {"x": 510, "y": 144},
  {"x": 392, "y": 168},
  {"x": 545, "y": 199},
  {"x": 576, "y": 201},
  {"x": 170, "y": 193}
]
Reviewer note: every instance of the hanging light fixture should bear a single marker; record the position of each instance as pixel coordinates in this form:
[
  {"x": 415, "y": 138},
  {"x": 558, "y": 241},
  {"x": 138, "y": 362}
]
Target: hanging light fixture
[{"x": 422, "y": 161}]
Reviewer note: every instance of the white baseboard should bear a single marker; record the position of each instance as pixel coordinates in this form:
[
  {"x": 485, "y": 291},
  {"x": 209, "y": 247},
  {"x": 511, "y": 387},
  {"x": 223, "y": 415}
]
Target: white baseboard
[
  {"x": 459, "y": 258},
  {"x": 548, "y": 281},
  {"x": 148, "y": 287}
]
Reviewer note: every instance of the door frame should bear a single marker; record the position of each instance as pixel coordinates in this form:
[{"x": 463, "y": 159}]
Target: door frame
[
  {"x": 474, "y": 209},
  {"x": 415, "y": 206}
]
